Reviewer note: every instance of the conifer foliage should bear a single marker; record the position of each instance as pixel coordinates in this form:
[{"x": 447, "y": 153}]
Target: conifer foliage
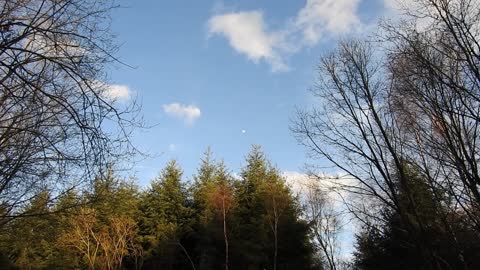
[{"x": 216, "y": 221}]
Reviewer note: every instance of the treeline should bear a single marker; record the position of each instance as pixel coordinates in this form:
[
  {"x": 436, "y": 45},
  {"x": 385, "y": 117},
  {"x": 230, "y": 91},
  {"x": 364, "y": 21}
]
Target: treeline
[
  {"x": 216, "y": 221},
  {"x": 399, "y": 118}
]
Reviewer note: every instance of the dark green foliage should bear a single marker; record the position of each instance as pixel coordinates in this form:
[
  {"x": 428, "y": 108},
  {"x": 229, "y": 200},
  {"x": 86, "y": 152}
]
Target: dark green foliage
[
  {"x": 166, "y": 220},
  {"x": 251, "y": 221},
  {"x": 400, "y": 242},
  {"x": 250, "y": 236},
  {"x": 35, "y": 235},
  {"x": 30, "y": 242},
  {"x": 174, "y": 226}
]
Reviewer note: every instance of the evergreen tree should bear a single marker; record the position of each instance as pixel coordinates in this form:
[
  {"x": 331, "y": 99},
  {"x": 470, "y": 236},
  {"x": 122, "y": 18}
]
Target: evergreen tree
[
  {"x": 218, "y": 223},
  {"x": 203, "y": 179},
  {"x": 31, "y": 242},
  {"x": 395, "y": 244},
  {"x": 249, "y": 216},
  {"x": 268, "y": 214},
  {"x": 31, "y": 239},
  {"x": 206, "y": 251},
  {"x": 166, "y": 221}
]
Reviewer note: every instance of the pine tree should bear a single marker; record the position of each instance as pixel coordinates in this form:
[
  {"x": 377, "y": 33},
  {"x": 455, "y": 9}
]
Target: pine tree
[
  {"x": 267, "y": 230},
  {"x": 395, "y": 243},
  {"x": 249, "y": 216},
  {"x": 166, "y": 220},
  {"x": 30, "y": 240}
]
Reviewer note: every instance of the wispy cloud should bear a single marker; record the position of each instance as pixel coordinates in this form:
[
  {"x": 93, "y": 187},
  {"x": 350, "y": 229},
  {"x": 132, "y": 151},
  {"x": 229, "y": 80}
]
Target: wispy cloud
[
  {"x": 320, "y": 17},
  {"x": 188, "y": 113},
  {"x": 249, "y": 35}
]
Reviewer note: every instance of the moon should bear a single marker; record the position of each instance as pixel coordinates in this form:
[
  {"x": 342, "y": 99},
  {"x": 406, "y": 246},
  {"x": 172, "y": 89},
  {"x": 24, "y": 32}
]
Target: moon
[{"x": 244, "y": 131}]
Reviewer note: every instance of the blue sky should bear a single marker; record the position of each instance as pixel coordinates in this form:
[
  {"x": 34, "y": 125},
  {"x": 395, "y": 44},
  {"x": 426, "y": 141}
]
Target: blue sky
[
  {"x": 229, "y": 74},
  {"x": 226, "y": 74}
]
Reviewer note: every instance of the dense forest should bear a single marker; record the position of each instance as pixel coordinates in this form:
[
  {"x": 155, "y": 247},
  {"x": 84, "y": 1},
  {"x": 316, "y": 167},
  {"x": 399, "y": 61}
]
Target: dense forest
[
  {"x": 252, "y": 221},
  {"x": 396, "y": 117}
]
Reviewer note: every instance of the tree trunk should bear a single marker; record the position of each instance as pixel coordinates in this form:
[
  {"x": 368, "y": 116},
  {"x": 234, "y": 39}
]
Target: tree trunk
[
  {"x": 225, "y": 234},
  {"x": 186, "y": 254},
  {"x": 276, "y": 246}
]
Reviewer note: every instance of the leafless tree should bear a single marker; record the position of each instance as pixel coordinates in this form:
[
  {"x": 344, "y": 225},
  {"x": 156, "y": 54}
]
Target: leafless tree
[
  {"x": 414, "y": 104},
  {"x": 324, "y": 221},
  {"x": 352, "y": 129},
  {"x": 435, "y": 73},
  {"x": 82, "y": 236},
  {"x": 356, "y": 131},
  {"x": 276, "y": 200},
  {"x": 104, "y": 246},
  {"x": 59, "y": 123}
]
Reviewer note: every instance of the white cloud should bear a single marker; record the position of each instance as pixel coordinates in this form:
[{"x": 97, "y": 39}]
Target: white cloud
[
  {"x": 110, "y": 92},
  {"x": 189, "y": 113},
  {"x": 117, "y": 92},
  {"x": 330, "y": 184},
  {"x": 248, "y": 34},
  {"x": 236, "y": 176},
  {"x": 300, "y": 182},
  {"x": 44, "y": 43}
]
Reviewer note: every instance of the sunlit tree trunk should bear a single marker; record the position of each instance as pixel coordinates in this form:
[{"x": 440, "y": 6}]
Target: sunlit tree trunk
[{"x": 225, "y": 232}]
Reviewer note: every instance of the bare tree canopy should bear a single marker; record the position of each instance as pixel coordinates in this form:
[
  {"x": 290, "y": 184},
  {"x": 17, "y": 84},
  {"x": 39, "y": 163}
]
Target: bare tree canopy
[
  {"x": 401, "y": 116},
  {"x": 59, "y": 123}
]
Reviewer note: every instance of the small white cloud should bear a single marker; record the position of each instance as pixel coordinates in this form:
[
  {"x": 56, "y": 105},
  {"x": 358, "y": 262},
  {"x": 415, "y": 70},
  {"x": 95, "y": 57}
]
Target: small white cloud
[
  {"x": 172, "y": 147},
  {"x": 110, "y": 92},
  {"x": 117, "y": 92},
  {"x": 189, "y": 113}
]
